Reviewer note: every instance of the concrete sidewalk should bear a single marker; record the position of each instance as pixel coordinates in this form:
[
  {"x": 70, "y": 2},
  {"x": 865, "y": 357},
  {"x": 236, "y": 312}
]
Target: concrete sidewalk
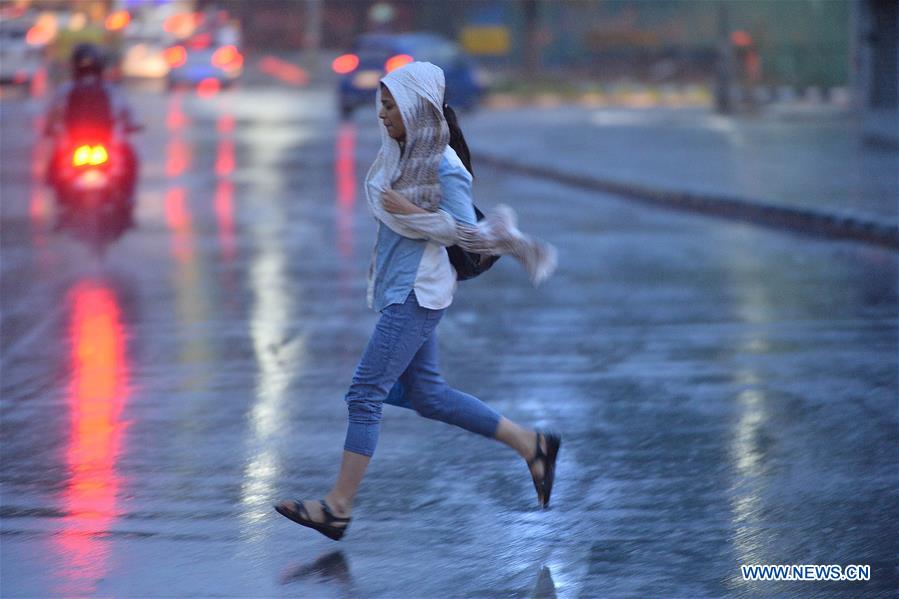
[{"x": 796, "y": 167}]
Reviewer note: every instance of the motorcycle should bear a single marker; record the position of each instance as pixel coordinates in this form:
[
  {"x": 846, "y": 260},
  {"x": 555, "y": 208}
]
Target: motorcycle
[{"x": 92, "y": 189}]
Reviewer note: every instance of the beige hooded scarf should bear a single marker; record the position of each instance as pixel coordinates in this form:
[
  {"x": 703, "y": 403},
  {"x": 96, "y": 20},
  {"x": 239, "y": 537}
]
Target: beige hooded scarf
[{"x": 418, "y": 89}]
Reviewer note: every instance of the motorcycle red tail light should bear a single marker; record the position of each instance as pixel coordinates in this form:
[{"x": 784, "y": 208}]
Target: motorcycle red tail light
[
  {"x": 99, "y": 155},
  {"x": 81, "y": 156},
  {"x": 90, "y": 155}
]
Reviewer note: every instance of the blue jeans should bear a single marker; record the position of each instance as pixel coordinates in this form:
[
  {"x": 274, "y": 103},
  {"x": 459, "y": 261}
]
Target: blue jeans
[{"x": 403, "y": 348}]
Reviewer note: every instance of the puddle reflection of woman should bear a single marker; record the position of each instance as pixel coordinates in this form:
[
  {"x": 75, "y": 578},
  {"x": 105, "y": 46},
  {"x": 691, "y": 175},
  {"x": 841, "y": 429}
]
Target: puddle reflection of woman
[{"x": 419, "y": 189}]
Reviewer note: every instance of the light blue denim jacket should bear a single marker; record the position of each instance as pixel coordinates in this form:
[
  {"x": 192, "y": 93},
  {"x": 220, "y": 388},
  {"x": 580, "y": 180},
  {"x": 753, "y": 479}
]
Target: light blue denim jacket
[{"x": 396, "y": 258}]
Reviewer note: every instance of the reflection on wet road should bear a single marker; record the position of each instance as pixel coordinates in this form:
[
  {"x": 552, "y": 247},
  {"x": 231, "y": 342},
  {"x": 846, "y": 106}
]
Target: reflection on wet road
[
  {"x": 97, "y": 395},
  {"x": 727, "y": 394}
]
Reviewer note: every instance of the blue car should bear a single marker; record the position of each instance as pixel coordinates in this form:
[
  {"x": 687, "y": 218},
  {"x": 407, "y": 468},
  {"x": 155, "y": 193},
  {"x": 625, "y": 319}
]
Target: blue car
[
  {"x": 196, "y": 64},
  {"x": 375, "y": 54}
]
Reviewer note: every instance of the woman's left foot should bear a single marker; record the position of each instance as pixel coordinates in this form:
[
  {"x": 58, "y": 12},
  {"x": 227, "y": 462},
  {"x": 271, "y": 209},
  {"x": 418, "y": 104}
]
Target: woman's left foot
[{"x": 543, "y": 465}]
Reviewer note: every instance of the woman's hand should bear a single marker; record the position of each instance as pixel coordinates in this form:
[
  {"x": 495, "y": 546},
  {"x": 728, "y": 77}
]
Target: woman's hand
[{"x": 396, "y": 203}]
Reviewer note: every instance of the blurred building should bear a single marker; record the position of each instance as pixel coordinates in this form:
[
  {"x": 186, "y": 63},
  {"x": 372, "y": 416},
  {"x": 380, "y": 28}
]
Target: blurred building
[
  {"x": 757, "y": 50},
  {"x": 801, "y": 43}
]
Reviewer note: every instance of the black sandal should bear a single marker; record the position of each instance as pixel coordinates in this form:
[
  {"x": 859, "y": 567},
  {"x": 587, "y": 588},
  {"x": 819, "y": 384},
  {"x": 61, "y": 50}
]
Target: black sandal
[
  {"x": 544, "y": 486},
  {"x": 301, "y": 515}
]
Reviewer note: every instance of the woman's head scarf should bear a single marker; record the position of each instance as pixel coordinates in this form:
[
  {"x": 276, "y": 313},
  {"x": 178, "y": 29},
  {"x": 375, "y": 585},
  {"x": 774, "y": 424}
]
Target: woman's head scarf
[{"x": 418, "y": 89}]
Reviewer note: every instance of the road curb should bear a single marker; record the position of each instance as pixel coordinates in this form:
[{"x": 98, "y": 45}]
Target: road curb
[{"x": 802, "y": 220}]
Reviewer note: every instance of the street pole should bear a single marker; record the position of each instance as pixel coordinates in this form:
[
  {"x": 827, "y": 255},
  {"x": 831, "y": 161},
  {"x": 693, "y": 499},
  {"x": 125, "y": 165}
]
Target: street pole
[
  {"x": 531, "y": 48},
  {"x": 313, "y": 35},
  {"x": 724, "y": 67}
]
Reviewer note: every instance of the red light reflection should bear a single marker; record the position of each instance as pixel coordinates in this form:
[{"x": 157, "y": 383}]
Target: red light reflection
[
  {"x": 178, "y": 157},
  {"x": 345, "y": 184},
  {"x": 175, "y": 118},
  {"x": 177, "y": 216},
  {"x": 224, "y": 212},
  {"x": 38, "y": 207},
  {"x": 224, "y": 191},
  {"x": 224, "y": 160},
  {"x": 39, "y": 83},
  {"x": 345, "y": 176},
  {"x": 176, "y": 212},
  {"x": 208, "y": 87},
  {"x": 96, "y": 396},
  {"x": 225, "y": 124}
]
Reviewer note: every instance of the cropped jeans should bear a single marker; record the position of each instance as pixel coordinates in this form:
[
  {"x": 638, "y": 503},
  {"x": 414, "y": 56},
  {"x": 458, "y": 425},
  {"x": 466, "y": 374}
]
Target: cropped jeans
[{"x": 403, "y": 348}]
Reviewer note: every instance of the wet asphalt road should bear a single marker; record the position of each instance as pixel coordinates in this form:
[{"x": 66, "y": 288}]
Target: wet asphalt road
[{"x": 727, "y": 394}]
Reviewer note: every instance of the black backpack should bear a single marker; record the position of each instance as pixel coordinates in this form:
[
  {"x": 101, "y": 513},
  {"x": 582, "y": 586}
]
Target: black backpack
[
  {"x": 88, "y": 107},
  {"x": 468, "y": 265}
]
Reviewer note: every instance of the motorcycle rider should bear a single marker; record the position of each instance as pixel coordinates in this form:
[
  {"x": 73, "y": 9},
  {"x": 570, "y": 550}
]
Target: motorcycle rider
[{"x": 89, "y": 103}]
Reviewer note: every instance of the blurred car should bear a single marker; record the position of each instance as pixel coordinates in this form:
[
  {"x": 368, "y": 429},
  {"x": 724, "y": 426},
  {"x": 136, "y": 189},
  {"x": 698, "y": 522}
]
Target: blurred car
[
  {"x": 19, "y": 60},
  {"x": 144, "y": 58},
  {"x": 193, "y": 62},
  {"x": 375, "y": 54}
]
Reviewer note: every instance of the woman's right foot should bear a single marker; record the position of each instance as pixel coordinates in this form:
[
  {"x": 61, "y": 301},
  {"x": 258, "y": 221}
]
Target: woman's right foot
[
  {"x": 542, "y": 464},
  {"x": 317, "y": 515}
]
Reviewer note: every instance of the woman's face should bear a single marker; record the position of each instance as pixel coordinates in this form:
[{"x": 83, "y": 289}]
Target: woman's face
[{"x": 390, "y": 116}]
